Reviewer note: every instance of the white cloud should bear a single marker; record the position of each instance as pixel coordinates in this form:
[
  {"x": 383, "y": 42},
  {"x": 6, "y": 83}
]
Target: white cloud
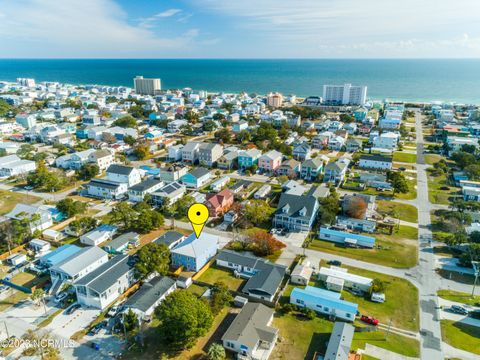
[
  {"x": 304, "y": 27},
  {"x": 168, "y": 13},
  {"x": 87, "y": 28}
]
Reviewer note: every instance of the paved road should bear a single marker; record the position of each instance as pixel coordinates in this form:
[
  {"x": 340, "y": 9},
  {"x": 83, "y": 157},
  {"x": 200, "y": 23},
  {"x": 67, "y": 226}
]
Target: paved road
[
  {"x": 45, "y": 196},
  {"x": 431, "y": 340}
]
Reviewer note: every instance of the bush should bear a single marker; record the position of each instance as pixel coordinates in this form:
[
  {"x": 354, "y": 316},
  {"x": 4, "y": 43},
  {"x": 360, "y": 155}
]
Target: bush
[
  {"x": 309, "y": 313},
  {"x": 288, "y": 308}
]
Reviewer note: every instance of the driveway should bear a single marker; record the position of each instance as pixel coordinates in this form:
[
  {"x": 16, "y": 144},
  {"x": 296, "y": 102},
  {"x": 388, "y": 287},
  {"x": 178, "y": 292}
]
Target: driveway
[
  {"x": 67, "y": 325},
  {"x": 31, "y": 313}
]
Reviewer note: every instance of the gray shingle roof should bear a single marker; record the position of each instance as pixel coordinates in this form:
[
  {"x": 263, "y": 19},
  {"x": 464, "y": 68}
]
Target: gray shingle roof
[
  {"x": 149, "y": 293},
  {"x": 104, "y": 184},
  {"x": 199, "y": 172},
  {"x": 340, "y": 341},
  {"x": 250, "y": 326},
  {"x": 291, "y": 205},
  {"x": 169, "y": 238},
  {"x": 145, "y": 185},
  {"x": 120, "y": 169},
  {"x": 108, "y": 274}
]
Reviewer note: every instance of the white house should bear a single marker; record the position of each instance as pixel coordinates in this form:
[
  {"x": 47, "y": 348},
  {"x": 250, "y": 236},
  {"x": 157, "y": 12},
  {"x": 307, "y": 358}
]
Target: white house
[
  {"x": 99, "y": 235},
  {"x": 387, "y": 140},
  {"x": 349, "y": 281},
  {"x": 12, "y": 165},
  {"x": 124, "y": 174},
  {"x": 175, "y": 152},
  {"x": 137, "y": 192},
  {"x": 378, "y": 162},
  {"x": 40, "y": 217},
  {"x": 104, "y": 285}
]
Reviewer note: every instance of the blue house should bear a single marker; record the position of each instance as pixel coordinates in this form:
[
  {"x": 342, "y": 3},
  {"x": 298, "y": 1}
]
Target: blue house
[
  {"x": 82, "y": 133},
  {"x": 193, "y": 253},
  {"x": 346, "y": 238},
  {"x": 248, "y": 158},
  {"x": 324, "y": 302},
  {"x": 58, "y": 255},
  {"x": 196, "y": 178},
  {"x": 360, "y": 114}
]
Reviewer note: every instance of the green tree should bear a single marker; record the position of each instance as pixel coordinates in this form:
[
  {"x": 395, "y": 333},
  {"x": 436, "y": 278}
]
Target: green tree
[
  {"x": 26, "y": 151},
  {"x": 216, "y": 352},
  {"x": 88, "y": 171},
  {"x": 129, "y": 139},
  {"x": 127, "y": 121},
  {"x": 329, "y": 208},
  {"x": 141, "y": 151},
  {"x": 378, "y": 286},
  {"x": 183, "y": 319},
  {"x": 220, "y": 296},
  {"x": 224, "y": 135},
  {"x": 70, "y": 207},
  {"x": 258, "y": 211},
  {"x": 463, "y": 159},
  {"x": 244, "y": 136},
  {"x": 123, "y": 214},
  {"x": 38, "y": 295},
  {"x": 152, "y": 258},
  {"x": 186, "y": 130},
  {"x": 130, "y": 320},
  {"x": 209, "y": 125},
  {"x": 398, "y": 181}
]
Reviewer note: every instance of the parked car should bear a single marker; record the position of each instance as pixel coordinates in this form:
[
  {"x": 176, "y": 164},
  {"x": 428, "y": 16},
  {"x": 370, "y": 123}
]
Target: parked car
[
  {"x": 475, "y": 314},
  {"x": 113, "y": 310},
  {"x": 96, "y": 329},
  {"x": 369, "y": 320},
  {"x": 457, "y": 309},
  {"x": 335, "y": 263},
  {"x": 73, "y": 308},
  {"x": 60, "y": 297}
]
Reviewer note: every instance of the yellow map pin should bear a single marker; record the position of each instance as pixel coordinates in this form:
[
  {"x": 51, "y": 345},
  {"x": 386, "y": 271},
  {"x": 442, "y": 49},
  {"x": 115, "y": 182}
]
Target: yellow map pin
[{"x": 198, "y": 216}]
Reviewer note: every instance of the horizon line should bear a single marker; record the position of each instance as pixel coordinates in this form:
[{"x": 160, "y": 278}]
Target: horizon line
[{"x": 232, "y": 58}]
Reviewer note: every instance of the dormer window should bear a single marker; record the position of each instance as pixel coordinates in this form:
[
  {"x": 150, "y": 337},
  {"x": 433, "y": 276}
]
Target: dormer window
[
  {"x": 303, "y": 211},
  {"x": 286, "y": 208}
]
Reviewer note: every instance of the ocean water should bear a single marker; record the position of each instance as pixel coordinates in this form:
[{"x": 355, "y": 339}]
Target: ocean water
[{"x": 410, "y": 80}]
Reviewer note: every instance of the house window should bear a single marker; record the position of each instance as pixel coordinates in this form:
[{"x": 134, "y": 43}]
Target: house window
[
  {"x": 300, "y": 301},
  {"x": 319, "y": 306},
  {"x": 326, "y": 308},
  {"x": 348, "y": 315}
]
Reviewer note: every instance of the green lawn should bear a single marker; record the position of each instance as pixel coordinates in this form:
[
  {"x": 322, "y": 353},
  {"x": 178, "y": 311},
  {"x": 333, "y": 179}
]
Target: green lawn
[
  {"x": 196, "y": 289},
  {"x": 404, "y": 212},
  {"x": 404, "y": 157},
  {"x": 438, "y": 196},
  {"x": 398, "y": 250},
  {"x": 8, "y": 200},
  {"x": 461, "y": 336},
  {"x": 301, "y": 338},
  {"x": 410, "y": 195},
  {"x": 13, "y": 298},
  {"x": 433, "y": 158},
  {"x": 460, "y": 297},
  {"x": 213, "y": 275}
]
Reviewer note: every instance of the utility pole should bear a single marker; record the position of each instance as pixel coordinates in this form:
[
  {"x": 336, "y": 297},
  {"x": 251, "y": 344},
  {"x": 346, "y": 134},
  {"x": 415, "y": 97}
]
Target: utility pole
[
  {"x": 476, "y": 270},
  {"x": 6, "y": 329}
]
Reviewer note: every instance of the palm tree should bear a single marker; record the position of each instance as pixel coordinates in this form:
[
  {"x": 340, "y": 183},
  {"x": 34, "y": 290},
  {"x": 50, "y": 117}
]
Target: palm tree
[{"x": 216, "y": 352}]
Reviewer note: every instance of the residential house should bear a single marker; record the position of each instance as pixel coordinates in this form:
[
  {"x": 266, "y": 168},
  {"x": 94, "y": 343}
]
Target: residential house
[
  {"x": 196, "y": 178},
  {"x": 12, "y": 165},
  {"x": 336, "y": 143},
  {"x": 172, "y": 191},
  {"x": 219, "y": 203},
  {"x": 353, "y": 145},
  {"x": 240, "y": 126},
  {"x": 175, "y": 153},
  {"x": 99, "y": 235},
  {"x": 289, "y": 168},
  {"x": 106, "y": 189},
  {"x": 122, "y": 243},
  {"x": 375, "y": 180},
  {"x": 172, "y": 173},
  {"x": 338, "y": 347},
  {"x": 386, "y": 140},
  {"x": 331, "y": 276},
  {"x": 105, "y": 284},
  {"x": 190, "y": 152},
  {"x": 74, "y": 161},
  {"x": 301, "y": 274},
  {"x": 137, "y": 192},
  {"x": 208, "y": 154},
  {"x": 262, "y": 192},
  {"x": 377, "y": 162},
  {"x": 324, "y": 302},
  {"x": 302, "y": 151},
  {"x": 40, "y": 217},
  {"x": 149, "y": 296},
  {"x": 193, "y": 253},
  {"x": 40, "y": 247},
  {"x": 311, "y": 168},
  {"x": 264, "y": 277},
  {"x": 174, "y": 126},
  {"x": 170, "y": 239},
  {"x": 219, "y": 184},
  {"x": 335, "y": 172},
  {"x": 58, "y": 255},
  {"x": 247, "y": 158},
  {"x": 250, "y": 334},
  {"x": 364, "y": 225},
  {"x": 76, "y": 266},
  {"x": 346, "y": 238},
  {"x": 321, "y": 140},
  {"x": 295, "y": 212},
  {"x": 270, "y": 161},
  {"x": 124, "y": 174},
  {"x": 228, "y": 161},
  {"x": 102, "y": 158}
]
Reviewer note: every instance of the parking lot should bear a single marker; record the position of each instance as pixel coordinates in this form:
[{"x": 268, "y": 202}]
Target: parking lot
[{"x": 67, "y": 325}]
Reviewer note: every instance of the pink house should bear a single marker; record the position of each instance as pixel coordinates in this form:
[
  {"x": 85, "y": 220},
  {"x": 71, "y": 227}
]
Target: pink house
[{"x": 270, "y": 161}]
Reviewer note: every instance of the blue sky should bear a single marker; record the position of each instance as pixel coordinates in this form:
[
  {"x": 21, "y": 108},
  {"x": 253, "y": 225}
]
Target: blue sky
[{"x": 239, "y": 29}]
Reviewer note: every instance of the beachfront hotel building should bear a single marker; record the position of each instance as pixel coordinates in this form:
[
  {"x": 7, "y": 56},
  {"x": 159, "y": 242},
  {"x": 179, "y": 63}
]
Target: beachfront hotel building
[
  {"x": 344, "y": 94},
  {"x": 275, "y": 100},
  {"x": 146, "y": 86}
]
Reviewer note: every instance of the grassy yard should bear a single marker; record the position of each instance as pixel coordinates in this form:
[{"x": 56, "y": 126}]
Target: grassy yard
[
  {"x": 197, "y": 289},
  {"x": 13, "y": 298},
  {"x": 28, "y": 280},
  {"x": 404, "y": 157},
  {"x": 410, "y": 195},
  {"x": 435, "y": 193},
  {"x": 404, "y": 211},
  {"x": 461, "y": 336},
  {"x": 398, "y": 250},
  {"x": 433, "y": 158},
  {"x": 213, "y": 275},
  {"x": 460, "y": 297},
  {"x": 8, "y": 200},
  {"x": 301, "y": 338},
  {"x": 401, "y": 310}
]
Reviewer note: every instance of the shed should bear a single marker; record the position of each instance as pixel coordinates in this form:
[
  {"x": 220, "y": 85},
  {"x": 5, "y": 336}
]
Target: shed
[
  {"x": 52, "y": 235},
  {"x": 17, "y": 259},
  {"x": 39, "y": 246},
  {"x": 240, "y": 301},
  {"x": 301, "y": 274}
]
